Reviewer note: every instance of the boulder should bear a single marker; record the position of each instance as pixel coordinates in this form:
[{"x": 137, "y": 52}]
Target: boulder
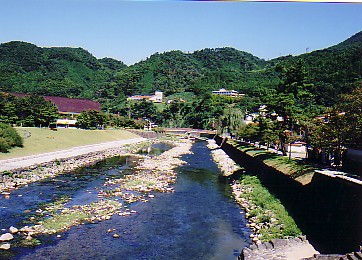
[
  {"x": 5, "y": 246},
  {"x": 13, "y": 230},
  {"x": 6, "y": 237}
]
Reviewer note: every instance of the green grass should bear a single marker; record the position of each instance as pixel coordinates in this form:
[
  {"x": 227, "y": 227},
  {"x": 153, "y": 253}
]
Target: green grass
[
  {"x": 266, "y": 207},
  {"x": 42, "y": 140},
  {"x": 78, "y": 214},
  {"x": 292, "y": 167}
]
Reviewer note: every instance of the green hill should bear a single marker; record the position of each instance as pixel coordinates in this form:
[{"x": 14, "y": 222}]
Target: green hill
[
  {"x": 74, "y": 72},
  {"x": 69, "y": 72}
]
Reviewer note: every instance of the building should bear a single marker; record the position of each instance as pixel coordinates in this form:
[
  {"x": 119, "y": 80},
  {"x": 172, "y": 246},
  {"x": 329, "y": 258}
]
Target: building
[
  {"x": 68, "y": 108},
  {"x": 225, "y": 92},
  {"x": 156, "y": 98},
  {"x": 71, "y": 107}
]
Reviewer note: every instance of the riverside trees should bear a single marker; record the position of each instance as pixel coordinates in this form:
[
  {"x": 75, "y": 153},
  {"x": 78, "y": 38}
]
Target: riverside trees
[{"x": 27, "y": 111}]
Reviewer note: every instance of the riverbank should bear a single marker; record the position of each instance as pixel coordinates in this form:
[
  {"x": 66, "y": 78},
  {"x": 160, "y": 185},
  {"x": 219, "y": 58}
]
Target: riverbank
[
  {"x": 153, "y": 174},
  {"x": 322, "y": 205},
  {"x": 267, "y": 217},
  {"x": 44, "y": 140},
  {"x": 22, "y": 171}
]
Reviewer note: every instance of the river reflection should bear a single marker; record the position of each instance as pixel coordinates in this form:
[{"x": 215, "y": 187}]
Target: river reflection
[{"x": 197, "y": 221}]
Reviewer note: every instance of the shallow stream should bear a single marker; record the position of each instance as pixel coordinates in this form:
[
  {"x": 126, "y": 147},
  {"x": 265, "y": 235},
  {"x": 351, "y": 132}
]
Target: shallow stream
[{"x": 199, "y": 220}]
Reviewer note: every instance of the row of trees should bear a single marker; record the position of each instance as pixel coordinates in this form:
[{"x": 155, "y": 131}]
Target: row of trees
[{"x": 27, "y": 111}]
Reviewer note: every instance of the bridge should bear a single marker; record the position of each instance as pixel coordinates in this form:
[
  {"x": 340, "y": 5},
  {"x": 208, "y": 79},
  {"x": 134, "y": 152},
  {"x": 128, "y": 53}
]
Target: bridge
[{"x": 197, "y": 133}]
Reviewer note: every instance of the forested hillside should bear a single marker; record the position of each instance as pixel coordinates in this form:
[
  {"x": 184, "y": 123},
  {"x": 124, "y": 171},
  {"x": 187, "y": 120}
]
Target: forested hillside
[
  {"x": 74, "y": 72},
  {"x": 69, "y": 72}
]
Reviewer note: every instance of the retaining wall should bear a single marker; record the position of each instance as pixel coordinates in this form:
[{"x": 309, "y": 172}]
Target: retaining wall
[{"x": 328, "y": 210}]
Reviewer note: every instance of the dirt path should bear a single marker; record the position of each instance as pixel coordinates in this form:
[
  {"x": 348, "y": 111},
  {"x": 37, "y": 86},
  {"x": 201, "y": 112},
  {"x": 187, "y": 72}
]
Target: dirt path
[{"x": 20, "y": 162}]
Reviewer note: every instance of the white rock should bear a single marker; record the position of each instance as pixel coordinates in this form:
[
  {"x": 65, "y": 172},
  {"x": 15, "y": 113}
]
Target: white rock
[
  {"x": 13, "y": 230},
  {"x": 5, "y": 246},
  {"x": 6, "y": 237}
]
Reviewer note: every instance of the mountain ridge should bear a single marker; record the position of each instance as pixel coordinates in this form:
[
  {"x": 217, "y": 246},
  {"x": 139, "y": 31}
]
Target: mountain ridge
[{"x": 75, "y": 72}]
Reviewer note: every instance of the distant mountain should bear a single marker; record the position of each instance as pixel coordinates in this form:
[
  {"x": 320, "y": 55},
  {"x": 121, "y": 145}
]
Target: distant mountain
[
  {"x": 333, "y": 70},
  {"x": 353, "y": 40},
  {"x": 74, "y": 72},
  {"x": 71, "y": 72},
  {"x": 176, "y": 71}
]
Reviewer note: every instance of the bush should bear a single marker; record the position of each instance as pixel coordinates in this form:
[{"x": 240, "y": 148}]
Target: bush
[
  {"x": 4, "y": 146},
  {"x": 9, "y": 138}
]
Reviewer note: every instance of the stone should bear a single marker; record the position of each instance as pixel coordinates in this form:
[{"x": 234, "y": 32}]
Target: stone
[
  {"x": 6, "y": 237},
  {"x": 269, "y": 245},
  {"x": 13, "y": 230},
  {"x": 302, "y": 238},
  {"x": 5, "y": 246},
  {"x": 279, "y": 242},
  {"x": 261, "y": 246},
  {"x": 253, "y": 247}
]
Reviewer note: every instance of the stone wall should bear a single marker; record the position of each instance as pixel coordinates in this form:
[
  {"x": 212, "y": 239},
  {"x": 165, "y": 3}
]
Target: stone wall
[
  {"x": 352, "y": 161},
  {"x": 328, "y": 210}
]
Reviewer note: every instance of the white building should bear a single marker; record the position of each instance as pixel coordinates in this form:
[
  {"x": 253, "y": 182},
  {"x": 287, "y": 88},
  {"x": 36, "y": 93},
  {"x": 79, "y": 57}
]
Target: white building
[
  {"x": 156, "y": 98},
  {"x": 225, "y": 92}
]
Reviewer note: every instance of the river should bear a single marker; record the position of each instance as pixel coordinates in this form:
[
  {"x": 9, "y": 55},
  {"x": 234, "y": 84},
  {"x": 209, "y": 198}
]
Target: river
[{"x": 199, "y": 220}]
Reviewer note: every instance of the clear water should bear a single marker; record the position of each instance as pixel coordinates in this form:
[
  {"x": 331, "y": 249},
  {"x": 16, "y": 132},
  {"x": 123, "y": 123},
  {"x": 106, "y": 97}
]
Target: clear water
[{"x": 198, "y": 221}]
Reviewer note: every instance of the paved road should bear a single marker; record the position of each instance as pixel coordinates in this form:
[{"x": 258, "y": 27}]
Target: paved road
[{"x": 14, "y": 163}]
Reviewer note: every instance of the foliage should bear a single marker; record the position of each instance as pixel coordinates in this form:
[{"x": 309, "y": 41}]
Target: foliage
[
  {"x": 341, "y": 127},
  {"x": 90, "y": 120},
  {"x": 9, "y": 138},
  {"x": 267, "y": 206},
  {"x": 27, "y": 111}
]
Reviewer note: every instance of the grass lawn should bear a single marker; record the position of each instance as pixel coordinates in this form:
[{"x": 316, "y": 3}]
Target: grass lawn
[
  {"x": 299, "y": 170},
  {"x": 42, "y": 140}
]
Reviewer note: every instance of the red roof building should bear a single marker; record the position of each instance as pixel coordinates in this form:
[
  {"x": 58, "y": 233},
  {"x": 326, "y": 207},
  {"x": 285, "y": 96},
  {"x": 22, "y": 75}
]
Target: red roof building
[
  {"x": 73, "y": 105},
  {"x": 68, "y": 106}
]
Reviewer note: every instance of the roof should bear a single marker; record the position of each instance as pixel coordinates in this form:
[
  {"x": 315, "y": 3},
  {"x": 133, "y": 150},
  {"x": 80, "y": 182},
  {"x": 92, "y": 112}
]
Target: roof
[
  {"x": 68, "y": 105},
  {"x": 74, "y": 105}
]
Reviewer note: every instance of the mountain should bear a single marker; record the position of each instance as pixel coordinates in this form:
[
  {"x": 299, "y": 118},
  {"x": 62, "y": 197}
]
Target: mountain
[
  {"x": 175, "y": 71},
  {"x": 71, "y": 72},
  {"x": 74, "y": 72},
  {"x": 334, "y": 70}
]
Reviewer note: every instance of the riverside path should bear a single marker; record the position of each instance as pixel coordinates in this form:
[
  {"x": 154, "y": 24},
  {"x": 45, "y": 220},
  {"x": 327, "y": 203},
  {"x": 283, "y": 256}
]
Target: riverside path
[{"x": 20, "y": 162}]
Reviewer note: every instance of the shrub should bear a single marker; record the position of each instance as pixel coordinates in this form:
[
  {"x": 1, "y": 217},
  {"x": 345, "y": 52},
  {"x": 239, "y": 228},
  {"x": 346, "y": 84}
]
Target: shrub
[
  {"x": 9, "y": 138},
  {"x": 4, "y": 146}
]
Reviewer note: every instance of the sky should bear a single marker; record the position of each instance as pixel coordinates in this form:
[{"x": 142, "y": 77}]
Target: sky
[{"x": 131, "y": 31}]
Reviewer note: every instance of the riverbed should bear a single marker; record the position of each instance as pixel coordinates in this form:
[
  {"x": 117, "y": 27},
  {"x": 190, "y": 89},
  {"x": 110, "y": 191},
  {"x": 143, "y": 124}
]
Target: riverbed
[{"x": 198, "y": 220}]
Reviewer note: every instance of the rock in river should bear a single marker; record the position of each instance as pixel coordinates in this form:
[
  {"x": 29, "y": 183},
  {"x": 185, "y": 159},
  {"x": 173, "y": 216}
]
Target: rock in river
[
  {"x": 13, "y": 230},
  {"x": 5, "y": 246},
  {"x": 6, "y": 237}
]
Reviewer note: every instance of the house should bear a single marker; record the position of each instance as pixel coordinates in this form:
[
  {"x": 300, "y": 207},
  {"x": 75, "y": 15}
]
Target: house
[
  {"x": 68, "y": 108},
  {"x": 71, "y": 107},
  {"x": 225, "y": 92},
  {"x": 156, "y": 98}
]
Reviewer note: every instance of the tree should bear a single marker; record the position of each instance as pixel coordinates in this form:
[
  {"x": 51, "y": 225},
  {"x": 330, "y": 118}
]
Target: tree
[
  {"x": 9, "y": 138},
  {"x": 90, "y": 120},
  {"x": 248, "y": 132}
]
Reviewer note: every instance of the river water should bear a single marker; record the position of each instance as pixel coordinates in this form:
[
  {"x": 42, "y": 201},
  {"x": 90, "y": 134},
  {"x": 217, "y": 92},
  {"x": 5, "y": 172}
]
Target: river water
[{"x": 199, "y": 220}]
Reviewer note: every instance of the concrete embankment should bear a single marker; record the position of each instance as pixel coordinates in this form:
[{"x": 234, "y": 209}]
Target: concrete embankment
[
  {"x": 326, "y": 209},
  {"x": 265, "y": 224}
]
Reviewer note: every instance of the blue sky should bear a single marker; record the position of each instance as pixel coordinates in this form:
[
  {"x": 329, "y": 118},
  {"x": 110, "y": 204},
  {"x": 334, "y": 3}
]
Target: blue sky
[{"x": 133, "y": 30}]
